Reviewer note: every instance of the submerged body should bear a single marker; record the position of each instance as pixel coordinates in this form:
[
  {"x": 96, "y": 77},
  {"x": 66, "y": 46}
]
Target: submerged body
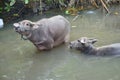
[
  {"x": 85, "y": 45},
  {"x": 113, "y": 49},
  {"x": 45, "y": 33}
]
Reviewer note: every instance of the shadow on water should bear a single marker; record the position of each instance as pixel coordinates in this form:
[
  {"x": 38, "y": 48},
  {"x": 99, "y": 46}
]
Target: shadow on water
[{"x": 20, "y": 60}]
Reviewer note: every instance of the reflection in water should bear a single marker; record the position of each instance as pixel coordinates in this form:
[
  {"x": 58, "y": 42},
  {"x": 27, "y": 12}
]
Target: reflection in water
[{"x": 20, "y": 60}]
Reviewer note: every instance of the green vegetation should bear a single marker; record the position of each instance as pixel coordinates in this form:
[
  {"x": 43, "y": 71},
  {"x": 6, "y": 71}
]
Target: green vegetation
[
  {"x": 18, "y": 8},
  {"x": 6, "y": 5}
]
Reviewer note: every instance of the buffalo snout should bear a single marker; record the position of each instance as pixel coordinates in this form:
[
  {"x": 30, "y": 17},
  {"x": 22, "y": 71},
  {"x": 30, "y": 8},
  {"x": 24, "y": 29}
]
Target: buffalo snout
[{"x": 16, "y": 27}]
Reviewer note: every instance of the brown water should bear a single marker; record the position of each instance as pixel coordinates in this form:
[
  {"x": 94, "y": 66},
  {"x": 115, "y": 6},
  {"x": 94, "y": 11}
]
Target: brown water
[{"x": 20, "y": 60}]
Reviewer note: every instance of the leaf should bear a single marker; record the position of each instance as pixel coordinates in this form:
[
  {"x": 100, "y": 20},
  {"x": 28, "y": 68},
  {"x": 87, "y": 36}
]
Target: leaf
[
  {"x": 8, "y": 10},
  {"x": 16, "y": 15},
  {"x": 6, "y": 4},
  {"x": 1, "y": 9},
  {"x": 12, "y": 2},
  {"x": 26, "y": 1},
  {"x": 7, "y": 7}
]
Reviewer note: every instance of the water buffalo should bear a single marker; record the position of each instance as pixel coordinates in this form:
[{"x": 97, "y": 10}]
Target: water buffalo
[
  {"x": 45, "y": 33},
  {"x": 85, "y": 45}
]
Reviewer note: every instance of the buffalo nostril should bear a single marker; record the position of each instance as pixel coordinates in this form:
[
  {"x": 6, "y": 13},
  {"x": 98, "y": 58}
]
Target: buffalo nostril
[
  {"x": 70, "y": 47},
  {"x": 16, "y": 28}
]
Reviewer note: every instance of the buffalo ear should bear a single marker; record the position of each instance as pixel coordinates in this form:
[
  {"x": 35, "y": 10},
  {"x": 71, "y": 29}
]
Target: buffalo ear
[
  {"x": 31, "y": 24},
  {"x": 34, "y": 26},
  {"x": 93, "y": 40},
  {"x": 79, "y": 40},
  {"x": 16, "y": 24},
  {"x": 83, "y": 41}
]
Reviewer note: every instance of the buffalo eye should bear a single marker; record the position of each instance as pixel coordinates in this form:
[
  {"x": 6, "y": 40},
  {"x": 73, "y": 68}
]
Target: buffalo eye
[
  {"x": 83, "y": 44},
  {"x": 27, "y": 24},
  {"x": 26, "y": 30}
]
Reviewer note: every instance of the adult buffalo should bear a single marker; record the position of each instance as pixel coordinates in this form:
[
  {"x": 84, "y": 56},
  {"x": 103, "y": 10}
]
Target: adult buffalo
[{"x": 45, "y": 33}]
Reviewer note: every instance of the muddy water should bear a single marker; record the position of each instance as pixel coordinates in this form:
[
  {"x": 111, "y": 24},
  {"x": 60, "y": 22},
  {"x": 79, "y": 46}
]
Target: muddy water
[{"x": 20, "y": 60}]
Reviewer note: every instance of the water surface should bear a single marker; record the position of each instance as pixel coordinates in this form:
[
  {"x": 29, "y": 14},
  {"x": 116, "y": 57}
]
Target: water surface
[{"x": 20, "y": 60}]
